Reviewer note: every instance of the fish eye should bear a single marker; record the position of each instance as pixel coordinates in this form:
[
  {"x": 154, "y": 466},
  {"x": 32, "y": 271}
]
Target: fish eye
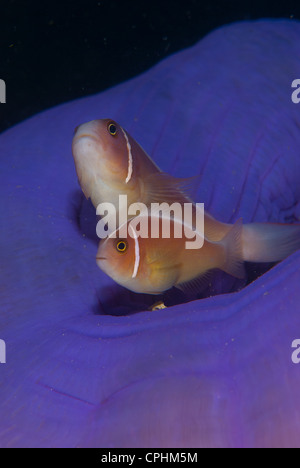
[
  {"x": 112, "y": 128},
  {"x": 122, "y": 246}
]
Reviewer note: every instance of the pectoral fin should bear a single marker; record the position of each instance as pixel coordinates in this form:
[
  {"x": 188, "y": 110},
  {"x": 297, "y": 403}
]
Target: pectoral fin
[
  {"x": 196, "y": 285},
  {"x": 165, "y": 270}
]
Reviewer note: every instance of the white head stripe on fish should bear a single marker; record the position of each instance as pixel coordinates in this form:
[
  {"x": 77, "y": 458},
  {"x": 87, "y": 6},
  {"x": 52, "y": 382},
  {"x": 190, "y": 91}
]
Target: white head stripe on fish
[
  {"x": 136, "y": 252},
  {"x": 129, "y": 174}
]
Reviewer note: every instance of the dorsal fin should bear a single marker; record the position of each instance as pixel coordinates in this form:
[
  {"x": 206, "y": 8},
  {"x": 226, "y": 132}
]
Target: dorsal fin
[{"x": 161, "y": 187}]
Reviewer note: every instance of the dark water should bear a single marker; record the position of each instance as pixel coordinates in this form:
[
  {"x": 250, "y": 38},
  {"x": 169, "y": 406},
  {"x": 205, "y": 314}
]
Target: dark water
[{"x": 52, "y": 52}]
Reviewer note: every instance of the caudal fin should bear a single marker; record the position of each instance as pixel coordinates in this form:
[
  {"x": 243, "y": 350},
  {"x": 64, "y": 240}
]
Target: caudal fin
[
  {"x": 268, "y": 242},
  {"x": 234, "y": 263}
]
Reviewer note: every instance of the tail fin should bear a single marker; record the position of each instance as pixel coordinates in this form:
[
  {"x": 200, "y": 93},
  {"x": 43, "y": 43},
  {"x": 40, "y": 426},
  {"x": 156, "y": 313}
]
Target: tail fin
[
  {"x": 268, "y": 242},
  {"x": 234, "y": 263}
]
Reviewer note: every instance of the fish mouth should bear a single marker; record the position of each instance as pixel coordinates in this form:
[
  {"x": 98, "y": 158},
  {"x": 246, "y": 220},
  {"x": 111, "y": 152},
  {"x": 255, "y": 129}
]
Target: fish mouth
[{"x": 101, "y": 258}]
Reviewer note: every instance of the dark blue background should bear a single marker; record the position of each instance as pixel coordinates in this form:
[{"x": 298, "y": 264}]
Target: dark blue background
[{"x": 52, "y": 52}]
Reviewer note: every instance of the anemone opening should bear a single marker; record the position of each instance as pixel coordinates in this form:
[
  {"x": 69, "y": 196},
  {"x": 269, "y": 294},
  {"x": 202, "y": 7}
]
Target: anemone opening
[{"x": 118, "y": 301}]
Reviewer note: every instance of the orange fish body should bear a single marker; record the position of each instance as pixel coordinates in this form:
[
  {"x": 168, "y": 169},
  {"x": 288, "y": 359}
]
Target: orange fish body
[
  {"x": 153, "y": 265},
  {"x": 109, "y": 163}
]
